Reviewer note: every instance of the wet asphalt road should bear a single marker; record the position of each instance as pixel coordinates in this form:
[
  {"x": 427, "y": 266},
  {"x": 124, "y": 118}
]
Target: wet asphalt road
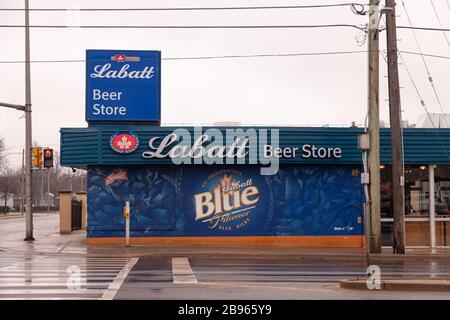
[
  {"x": 242, "y": 279},
  {"x": 24, "y": 274}
]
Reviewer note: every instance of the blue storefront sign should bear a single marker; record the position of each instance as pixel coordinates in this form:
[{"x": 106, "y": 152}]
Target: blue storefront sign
[{"x": 123, "y": 85}]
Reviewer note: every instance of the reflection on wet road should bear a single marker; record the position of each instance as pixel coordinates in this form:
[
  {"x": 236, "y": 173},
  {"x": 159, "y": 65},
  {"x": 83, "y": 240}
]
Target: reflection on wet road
[{"x": 242, "y": 279}]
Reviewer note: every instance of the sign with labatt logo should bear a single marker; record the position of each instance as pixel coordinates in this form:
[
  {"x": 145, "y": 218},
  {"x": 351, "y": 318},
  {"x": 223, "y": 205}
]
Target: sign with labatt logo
[
  {"x": 228, "y": 202},
  {"x": 124, "y": 142},
  {"x": 123, "y": 85}
]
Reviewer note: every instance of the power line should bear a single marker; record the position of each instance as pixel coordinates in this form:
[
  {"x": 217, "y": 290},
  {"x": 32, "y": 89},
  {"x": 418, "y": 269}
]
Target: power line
[
  {"x": 209, "y": 57},
  {"x": 187, "y": 26},
  {"x": 430, "y": 78},
  {"x": 262, "y": 55},
  {"x": 439, "y": 21},
  {"x": 427, "y": 55},
  {"x": 338, "y": 25},
  {"x": 423, "y": 28},
  {"x": 267, "y": 55},
  {"x": 351, "y": 4},
  {"x": 422, "y": 102}
]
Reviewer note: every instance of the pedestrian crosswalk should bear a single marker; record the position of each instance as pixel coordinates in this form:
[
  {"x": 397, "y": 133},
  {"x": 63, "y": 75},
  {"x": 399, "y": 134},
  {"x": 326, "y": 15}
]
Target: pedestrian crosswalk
[{"x": 61, "y": 277}]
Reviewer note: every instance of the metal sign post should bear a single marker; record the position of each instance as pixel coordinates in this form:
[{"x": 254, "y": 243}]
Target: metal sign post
[{"x": 126, "y": 213}]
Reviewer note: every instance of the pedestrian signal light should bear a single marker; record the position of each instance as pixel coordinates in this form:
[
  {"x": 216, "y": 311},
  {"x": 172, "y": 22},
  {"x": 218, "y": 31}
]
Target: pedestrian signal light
[{"x": 37, "y": 158}]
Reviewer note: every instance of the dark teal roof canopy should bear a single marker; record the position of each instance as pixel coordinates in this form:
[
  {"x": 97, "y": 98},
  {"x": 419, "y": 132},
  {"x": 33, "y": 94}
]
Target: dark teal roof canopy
[{"x": 81, "y": 147}]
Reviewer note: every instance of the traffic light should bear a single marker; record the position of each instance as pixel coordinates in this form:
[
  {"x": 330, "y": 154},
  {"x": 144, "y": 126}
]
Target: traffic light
[
  {"x": 48, "y": 158},
  {"x": 37, "y": 158}
]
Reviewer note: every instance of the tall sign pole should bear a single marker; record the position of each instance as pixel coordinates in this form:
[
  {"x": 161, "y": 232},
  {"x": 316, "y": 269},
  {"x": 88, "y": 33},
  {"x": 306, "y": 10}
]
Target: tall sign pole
[
  {"x": 28, "y": 136},
  {"x": 374, "y": 130},
  {"x": 396, "y": 131}
]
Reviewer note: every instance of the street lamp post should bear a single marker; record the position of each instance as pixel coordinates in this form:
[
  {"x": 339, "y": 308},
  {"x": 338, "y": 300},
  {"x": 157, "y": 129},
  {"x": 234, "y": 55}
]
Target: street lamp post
[{"x": 28, "y": 132}]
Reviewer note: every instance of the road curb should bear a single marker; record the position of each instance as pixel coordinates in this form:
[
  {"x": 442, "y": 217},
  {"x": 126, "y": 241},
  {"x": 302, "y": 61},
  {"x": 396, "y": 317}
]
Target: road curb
[
  {"x": 18, "y": 216},
  {"x": 400, "y": 285},
  {"x": 268, "y": 254},
  {"x": 225, "y": 255},
  {"x": 407, "y": 257}
]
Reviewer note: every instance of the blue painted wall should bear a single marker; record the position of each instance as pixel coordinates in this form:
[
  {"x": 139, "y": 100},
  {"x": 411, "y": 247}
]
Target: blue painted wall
[{"x": 299, "y": 200}]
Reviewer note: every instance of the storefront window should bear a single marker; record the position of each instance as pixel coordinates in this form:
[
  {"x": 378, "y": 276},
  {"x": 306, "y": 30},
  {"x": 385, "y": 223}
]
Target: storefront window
[
  {"x": 416, "y": 191},
  {"x": 386, "y": 205},
  {"x": 442, "y": 190},
  {"x": 385, "y": 191},
  {"x": 442, "y": 204},
  {"x": 416, "y": 205}
]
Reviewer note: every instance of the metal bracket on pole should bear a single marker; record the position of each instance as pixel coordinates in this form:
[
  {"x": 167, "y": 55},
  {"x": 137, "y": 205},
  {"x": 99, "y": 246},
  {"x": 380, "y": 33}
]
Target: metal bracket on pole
[{"x": 13, "y": 106}]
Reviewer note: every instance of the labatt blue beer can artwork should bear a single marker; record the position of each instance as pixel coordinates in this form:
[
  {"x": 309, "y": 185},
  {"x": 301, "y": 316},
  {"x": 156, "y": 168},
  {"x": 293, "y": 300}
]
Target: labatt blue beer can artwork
[
  {"x": 123, "y": 85},
  {"x": 227, "y": 201}
]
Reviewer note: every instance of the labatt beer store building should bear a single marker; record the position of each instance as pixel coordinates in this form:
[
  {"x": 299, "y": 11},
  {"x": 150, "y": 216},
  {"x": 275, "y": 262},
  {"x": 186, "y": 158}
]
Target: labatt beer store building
[{"x": 236, "y": 185}]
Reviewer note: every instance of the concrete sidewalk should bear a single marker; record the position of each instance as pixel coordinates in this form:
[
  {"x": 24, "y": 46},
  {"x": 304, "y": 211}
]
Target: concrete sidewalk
[
  {"x": 289, "y": 253},
  {"x": 435, "y": 285},
  {"x": 49, "y": 241}
]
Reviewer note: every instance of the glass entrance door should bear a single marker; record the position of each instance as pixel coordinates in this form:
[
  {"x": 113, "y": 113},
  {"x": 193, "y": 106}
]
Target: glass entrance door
[{"x": 442, "y": 204}]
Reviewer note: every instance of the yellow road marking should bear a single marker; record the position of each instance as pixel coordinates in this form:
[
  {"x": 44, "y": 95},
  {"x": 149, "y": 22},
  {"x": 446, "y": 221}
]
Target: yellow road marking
[{"x": 233, "y": 284}]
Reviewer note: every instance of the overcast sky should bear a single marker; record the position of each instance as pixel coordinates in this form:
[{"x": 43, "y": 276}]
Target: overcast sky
[{"x": 299, "y": 90}]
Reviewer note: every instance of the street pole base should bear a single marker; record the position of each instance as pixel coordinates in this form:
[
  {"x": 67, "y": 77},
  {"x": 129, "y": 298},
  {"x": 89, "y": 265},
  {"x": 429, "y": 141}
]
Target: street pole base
[{"x": 28, "y": 239}]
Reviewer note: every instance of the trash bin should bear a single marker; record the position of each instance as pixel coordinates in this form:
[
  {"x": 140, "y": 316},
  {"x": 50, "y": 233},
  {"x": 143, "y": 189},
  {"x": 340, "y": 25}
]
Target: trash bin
[{"x": 76, "y": 215}]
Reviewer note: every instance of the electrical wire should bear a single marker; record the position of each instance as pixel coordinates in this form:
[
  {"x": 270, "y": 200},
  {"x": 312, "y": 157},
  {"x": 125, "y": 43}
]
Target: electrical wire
[
  {"x": 439, "y": 21},
  {"x": 422, "y": 102},
  {"x": 342, "y": 25},
  {"x": 427, "y": 55},
  {"x": 208, "y": 57},
  {"x": 430, "y": 78},
  {"x": 354, "y": 6},
  {"x": 337, "y": 25},
  {"x": 263, "y": 55},
  {"x": 423, "y": 28}
]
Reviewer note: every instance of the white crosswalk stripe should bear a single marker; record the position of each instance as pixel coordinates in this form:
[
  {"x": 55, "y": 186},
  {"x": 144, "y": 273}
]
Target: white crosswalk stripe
[
  {"x": 182, "y": 271},
  {"x": 61, "y": 277}
]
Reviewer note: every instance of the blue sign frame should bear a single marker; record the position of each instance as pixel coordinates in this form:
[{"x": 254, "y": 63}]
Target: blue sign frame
[{"x": 123, "y": 85}]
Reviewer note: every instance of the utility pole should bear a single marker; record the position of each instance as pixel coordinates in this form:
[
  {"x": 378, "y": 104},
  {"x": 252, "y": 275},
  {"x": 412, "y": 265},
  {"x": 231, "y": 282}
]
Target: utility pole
[
  {"x": 28, "y": 132},
  {"x": 42, "y": 188},
  {"x": 374, "y": 130},
  {"x": 396, "y": 131}
]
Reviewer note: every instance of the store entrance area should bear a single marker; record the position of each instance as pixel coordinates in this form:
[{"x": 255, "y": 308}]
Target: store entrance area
[{"x": 427, "y": 219}]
